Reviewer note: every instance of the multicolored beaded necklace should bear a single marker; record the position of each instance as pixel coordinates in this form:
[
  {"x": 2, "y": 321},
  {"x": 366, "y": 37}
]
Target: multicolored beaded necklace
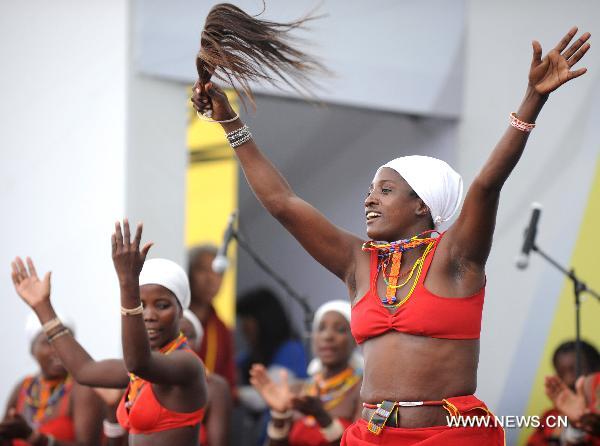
[
  {"x": 391, "y": 253},
  {"x": 43, "y": 396},
  {"x": 136, "y": 383},
  {"x": 331, "y": 391}
]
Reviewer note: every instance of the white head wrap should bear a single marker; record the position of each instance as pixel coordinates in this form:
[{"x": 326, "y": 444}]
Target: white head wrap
[
  {"x": 342, "y": 307},
  {"x": 168, "y": 274},
  {"x": 434, "y": 181},
  {"x": 190, "y": 316},
  {"x": 33, "y": 327}
]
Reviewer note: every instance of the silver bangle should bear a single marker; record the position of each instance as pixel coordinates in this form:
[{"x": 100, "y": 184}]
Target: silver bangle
[{"x": 208, "y": 118}]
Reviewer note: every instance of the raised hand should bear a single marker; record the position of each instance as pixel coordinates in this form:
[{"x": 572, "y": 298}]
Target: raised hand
[
  {"x": 548, "y": 73},
  {"x": 570, "y": 403},
  {"x": 27, "y": 283},
  {"x": 127, "y": 256},
  {"x": 277, "y": 395},
  {"x": 211, "y": 101}
]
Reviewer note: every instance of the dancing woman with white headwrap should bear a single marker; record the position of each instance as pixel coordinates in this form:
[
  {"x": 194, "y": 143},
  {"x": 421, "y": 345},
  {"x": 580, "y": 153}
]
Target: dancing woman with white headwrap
[
  {"x": 417, "y": 297},
  {"x": 166, "y": 385},
  {"x": 316, "y": 412}
]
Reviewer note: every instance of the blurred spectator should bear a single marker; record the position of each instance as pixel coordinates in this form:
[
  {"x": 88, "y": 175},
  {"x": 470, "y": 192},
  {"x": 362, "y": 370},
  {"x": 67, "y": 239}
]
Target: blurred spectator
[
  {"x": 564, "y": 362},
  {"x": 216, "y": 348}
]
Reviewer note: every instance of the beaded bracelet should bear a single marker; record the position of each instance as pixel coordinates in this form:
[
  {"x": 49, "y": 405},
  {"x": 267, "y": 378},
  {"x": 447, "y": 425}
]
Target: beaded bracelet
[
  {"x": 334, "y": 431},
  {"x": 132, "y": 311},
  {"x": 278, "y": 433},
  {"x": 58, "y": 334},
  {"x": 112, "y": 430},
  {"x": 51, "y": 325},
  {"x": 520, "y": 125},
  {"x": 239, "y": 136}
]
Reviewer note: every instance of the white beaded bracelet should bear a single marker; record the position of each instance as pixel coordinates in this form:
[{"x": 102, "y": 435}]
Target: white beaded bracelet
[
  {"x": 278, "y": 433},
  {"x": 334, "y": 431},
  {"x": 113, "y": 430}
]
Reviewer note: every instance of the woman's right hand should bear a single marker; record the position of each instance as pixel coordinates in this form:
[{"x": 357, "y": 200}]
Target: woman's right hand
[
  {"x": 28, "y": 285},
  {"x": 277, "y": 395},
  {"x": 209, "y": 98}
]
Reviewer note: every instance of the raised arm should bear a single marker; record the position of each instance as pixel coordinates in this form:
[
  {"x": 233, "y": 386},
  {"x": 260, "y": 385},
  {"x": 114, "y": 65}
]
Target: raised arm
[
  {"x": 470, "y": 238},
  {"x": 331, "y": 246},
  {"x": 178, "y": 368},
  {"x": 36, "y": 293}
]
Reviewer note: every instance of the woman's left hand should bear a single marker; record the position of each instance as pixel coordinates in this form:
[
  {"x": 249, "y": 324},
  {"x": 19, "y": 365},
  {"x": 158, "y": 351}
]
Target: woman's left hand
[
  {"x": 554, "y": 69},
  {"x": 127, "y": 256},
  {"x": 15, "y": 426}
]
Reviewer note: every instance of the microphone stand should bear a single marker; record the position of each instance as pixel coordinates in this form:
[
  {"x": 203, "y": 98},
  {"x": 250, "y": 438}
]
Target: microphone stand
[
  {"x": 579, "y": 287},
  {"x": 300, "y": 300}
]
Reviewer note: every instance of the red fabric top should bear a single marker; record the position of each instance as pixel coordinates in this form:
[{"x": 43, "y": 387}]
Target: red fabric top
[
  {"x": 309, "y": 434},
  {"x": 423, "y": 314},
  {"x": 216, "y": 349},
  {"x": 594, "y": 405},
  {"x": 59, "y": 424},
  {"x": 147, "y": 416}
]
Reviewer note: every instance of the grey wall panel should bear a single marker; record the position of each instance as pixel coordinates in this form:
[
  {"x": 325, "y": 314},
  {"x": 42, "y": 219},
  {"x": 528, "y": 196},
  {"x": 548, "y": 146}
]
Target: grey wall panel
[{"x": 391, "y": 55}]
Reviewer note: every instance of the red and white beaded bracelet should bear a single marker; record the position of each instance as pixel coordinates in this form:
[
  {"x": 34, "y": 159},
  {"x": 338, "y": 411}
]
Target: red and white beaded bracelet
[{"x": 520, "y": 125}]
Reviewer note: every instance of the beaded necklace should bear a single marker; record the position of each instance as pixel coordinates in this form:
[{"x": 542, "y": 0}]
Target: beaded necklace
[
  {"x": 42, "y": 397},
  {"x": 332, "y": 391},
  {"x": 136, "y": 383},
  {"x": 392, "y": 253}
]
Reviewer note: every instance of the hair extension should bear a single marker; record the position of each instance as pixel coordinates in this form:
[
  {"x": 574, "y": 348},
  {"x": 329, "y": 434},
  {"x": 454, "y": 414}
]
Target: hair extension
[{"x": 238, "y": 48}]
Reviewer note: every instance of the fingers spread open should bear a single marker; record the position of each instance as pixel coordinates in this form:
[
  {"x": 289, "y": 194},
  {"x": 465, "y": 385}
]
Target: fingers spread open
[
  {"x": 31, "y": 267},
  {"x": 138, "y": 236},
  {"x": 579, "y": 54},
  {"x": 127, "y": 232},
  {"x": 21, "y": 267},
  {"x": 576, "y": 45},
  {"x": 118, "y": 234},
  {"x": 577, "y": 73},
  {"x": 560, "y": 46},
  {"x": 145, "y": 249}
]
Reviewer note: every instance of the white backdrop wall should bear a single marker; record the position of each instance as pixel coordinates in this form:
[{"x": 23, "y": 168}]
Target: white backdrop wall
[
  {"x": 62, "y": 144},
  {"x": 555, "y": 170}
]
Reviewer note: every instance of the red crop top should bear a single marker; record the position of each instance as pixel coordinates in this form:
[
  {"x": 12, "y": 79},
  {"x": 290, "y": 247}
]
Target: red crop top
[
  {"x": 147, "y": 416},
  {"x": 423, "y": 314}
]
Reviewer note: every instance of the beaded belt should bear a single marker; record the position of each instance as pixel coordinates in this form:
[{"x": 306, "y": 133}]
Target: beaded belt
[{"x": 385, "y": 409}]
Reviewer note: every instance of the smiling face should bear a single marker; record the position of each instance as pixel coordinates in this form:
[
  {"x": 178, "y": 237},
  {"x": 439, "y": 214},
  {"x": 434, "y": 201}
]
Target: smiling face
[
  {"x": 50, "y": 365},
  {"x": 162, "y": 314},
  {"x": 333, "y": 343},
  {"x": 393, "y": 210}
]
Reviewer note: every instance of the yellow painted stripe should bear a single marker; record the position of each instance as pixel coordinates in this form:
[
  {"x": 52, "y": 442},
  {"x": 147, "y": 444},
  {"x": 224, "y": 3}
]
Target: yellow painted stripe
[
  {"x": 585, "y": 262},
  {"x": 211, "y": 197}
]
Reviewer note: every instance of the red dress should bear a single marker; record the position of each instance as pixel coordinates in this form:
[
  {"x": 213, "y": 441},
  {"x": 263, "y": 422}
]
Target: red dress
[{"x": 216, "y": 349}]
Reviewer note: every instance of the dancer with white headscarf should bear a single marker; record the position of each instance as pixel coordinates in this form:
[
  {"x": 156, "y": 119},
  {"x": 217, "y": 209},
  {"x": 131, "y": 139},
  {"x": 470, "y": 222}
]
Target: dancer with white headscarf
[
  {"x": 166, "y": 385},
  {"x": 417, "y": 293},
  {"x": 315, "y": 413}
]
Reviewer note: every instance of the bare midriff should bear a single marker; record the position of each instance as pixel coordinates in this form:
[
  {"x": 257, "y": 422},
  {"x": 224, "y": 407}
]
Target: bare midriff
[{"x": 405, "y": 367}]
